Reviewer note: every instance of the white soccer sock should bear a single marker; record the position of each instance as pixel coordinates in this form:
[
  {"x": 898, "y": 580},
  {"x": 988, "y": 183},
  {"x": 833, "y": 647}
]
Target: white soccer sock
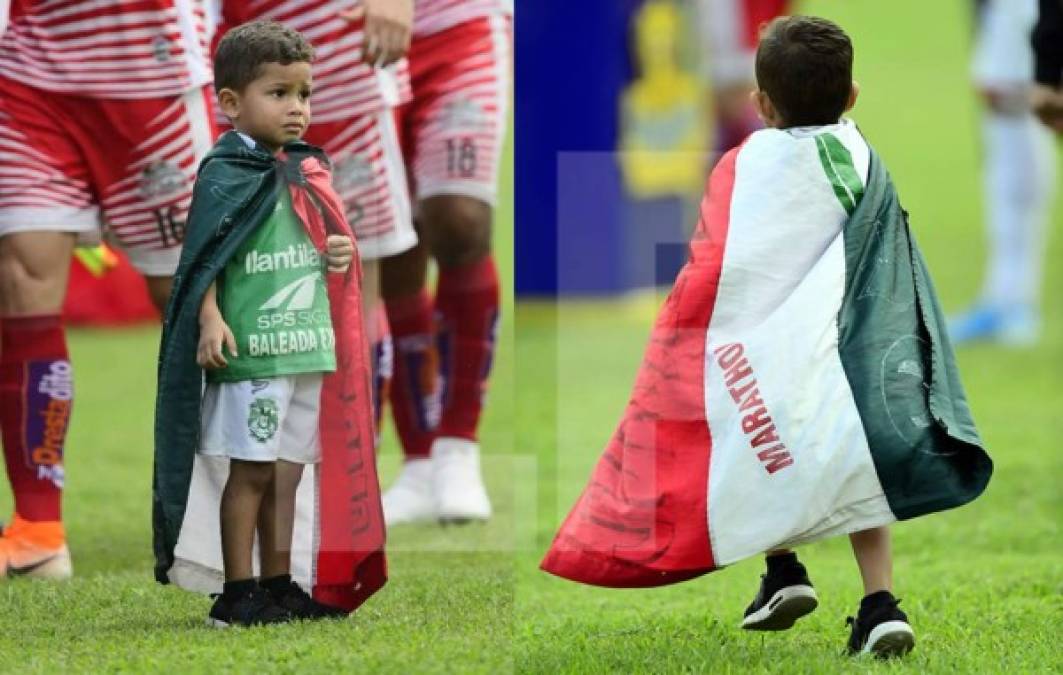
[{"x": 1019, "y": 180}]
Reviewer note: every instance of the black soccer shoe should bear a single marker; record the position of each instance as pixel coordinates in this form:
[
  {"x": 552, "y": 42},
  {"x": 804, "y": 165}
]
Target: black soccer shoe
[
  {"x": 254, "y": 608},
  {"x": 300, "y": 605},
  {"x": 785, "y": 595},
  {"x": 880, "y": 628}
]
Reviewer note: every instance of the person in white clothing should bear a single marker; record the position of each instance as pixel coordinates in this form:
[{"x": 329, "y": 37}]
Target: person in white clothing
[{"x": 1019, "y": 180}]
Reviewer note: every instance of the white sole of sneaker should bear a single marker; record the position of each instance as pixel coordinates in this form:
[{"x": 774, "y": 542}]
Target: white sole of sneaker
[
  {"x": 216, "y": 623},
  {"x": 785, "y": 607},
  {"x": 890, "y": 638},
  {"x": 56, "y": 568}
]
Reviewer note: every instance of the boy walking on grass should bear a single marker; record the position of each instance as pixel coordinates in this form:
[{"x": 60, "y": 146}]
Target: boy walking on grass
[
  {"x": 798, "y": 383},
  {"x": 280, "y": 339}
]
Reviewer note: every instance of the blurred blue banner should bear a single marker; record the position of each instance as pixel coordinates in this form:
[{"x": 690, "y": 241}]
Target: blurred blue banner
[{"x": 572, "y": 63}]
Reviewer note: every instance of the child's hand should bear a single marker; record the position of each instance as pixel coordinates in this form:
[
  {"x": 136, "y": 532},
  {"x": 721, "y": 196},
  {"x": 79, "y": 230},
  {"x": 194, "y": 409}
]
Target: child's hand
[
  {"x": 338, "y": 251},
  {"x": 213, "y": 333}
]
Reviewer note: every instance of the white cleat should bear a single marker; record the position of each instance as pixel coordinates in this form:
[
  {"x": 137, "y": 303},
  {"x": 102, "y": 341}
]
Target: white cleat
[
  {"x": 457, "y": 481},
  {"x": 410, "y": 498}
]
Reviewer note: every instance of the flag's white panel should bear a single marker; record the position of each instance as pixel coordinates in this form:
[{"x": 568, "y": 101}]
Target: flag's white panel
[
  {"x": 790, "y": 461},
  {"x": 198, "y": 562}
]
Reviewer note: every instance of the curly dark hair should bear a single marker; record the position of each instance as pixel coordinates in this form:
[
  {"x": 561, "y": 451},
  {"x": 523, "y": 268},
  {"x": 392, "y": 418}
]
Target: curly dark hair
[
  {"x": 244, "y": 49},
  {"x": 805, "y": 66}
]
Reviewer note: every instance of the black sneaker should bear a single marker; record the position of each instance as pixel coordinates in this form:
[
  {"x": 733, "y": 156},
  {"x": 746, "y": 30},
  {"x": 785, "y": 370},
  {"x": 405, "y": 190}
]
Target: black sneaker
[
  {"x": 300, "y": 605},
  {"x": 880, "y": 628},
  {"x": 255, "y": 608},
  {"x": 785, "y": 595}
]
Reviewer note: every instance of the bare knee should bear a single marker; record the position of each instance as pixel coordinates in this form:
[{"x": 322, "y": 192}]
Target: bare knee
[
  {"x": 404, "y": 274},
  {"x": 34, "y": 268},
  {"x": 254, "y": 477},
  {"x": 456, "y": 228},
  {"x": 159, "y": 289},
  {"x": 288, "y": 476}
]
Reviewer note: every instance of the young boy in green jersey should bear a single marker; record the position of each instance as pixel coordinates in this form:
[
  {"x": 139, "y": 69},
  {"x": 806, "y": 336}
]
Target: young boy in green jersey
[{"x": 266, "y": 339}]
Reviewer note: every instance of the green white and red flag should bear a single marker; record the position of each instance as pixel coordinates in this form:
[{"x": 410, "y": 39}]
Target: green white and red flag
[{"x": 798, "y": 382}]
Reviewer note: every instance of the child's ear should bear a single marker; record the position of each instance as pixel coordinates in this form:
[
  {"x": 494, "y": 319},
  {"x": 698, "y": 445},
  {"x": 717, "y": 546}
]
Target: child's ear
[
  {"x": 229, "y": 102},
  {"x": 765, "y": 108},
  {"x": 853, "y": 94}
]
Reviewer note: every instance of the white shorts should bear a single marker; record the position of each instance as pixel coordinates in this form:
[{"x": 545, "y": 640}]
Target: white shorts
[{"x": 263, "y": 420}]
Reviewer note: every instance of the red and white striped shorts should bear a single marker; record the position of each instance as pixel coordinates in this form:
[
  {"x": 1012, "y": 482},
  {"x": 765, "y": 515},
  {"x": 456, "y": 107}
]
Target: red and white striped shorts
[
  {"x": 731, "y": 30},
  {"x": 368, "y": 174},
  {"x": 69, "y": 164},
  {"x": 454, "y": 128}
]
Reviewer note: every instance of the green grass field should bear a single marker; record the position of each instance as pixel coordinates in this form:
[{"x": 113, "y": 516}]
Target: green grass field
[{"x": 983, "y": 585}]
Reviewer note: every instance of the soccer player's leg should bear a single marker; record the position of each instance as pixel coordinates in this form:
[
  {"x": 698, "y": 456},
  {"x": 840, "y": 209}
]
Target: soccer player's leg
[
  {"x": 1019, "y": 175},
  {"x": 461, "y": 87},
  {"x": 36, "y": 399},
  {"x": 45, "y": 204},
  {"x": 415, "y": 388}
]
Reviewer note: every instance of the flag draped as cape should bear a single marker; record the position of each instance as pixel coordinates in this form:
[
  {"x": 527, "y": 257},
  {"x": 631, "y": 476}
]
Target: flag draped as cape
[
  {"x": 798, "y": 381},
  {"x": 338, "y": 546}
]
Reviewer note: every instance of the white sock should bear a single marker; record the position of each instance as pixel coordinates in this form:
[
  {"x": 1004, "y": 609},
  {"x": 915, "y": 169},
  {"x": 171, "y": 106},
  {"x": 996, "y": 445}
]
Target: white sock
[{"x": 1019, "y": 181}]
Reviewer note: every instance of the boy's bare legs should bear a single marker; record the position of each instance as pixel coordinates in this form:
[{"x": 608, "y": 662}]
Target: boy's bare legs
[
  {"x": 242, "y": 602},
  {"x": 874, "y": 557},
  {"x": 276, "y": 520},
  {"x": 880, "y": 627},
  {"x": 240, "y": 504},
  {"x": 276, "y": 523}
]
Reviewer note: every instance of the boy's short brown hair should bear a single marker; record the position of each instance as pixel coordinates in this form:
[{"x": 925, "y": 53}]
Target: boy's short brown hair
[
  {"x": 244, "y": 49},
  {"x": 805, "y": 66}
]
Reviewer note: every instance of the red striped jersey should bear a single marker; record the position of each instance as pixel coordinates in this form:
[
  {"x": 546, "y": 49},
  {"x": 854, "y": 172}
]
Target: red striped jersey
[
  {"x": 344, "y": 86},
  {"x": 433, "y": 16},
  {"x": 121, "y": 49}
]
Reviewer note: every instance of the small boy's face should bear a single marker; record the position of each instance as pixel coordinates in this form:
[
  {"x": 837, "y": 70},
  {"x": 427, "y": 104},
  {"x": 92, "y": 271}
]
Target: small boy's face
[{"x": 274, "y": 108}]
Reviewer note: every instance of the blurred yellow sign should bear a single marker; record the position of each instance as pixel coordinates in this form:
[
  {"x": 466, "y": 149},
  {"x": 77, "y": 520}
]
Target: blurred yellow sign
[{"x": 663, "y": 125}]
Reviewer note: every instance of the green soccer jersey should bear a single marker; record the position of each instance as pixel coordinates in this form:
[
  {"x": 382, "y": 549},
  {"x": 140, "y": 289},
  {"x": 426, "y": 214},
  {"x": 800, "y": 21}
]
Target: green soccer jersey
[{"x": 273, "y": 296}]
